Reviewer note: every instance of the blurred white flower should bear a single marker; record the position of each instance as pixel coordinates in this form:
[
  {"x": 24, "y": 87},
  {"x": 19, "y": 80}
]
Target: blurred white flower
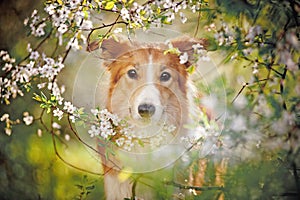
[
  {"x": 8, "y": 131},
  {"x": 74, "y": 3},
  {"x": 5, "y": 117},
  {"x": 55, "y": 125},
  {"x": 39, "y": 132},
  {"x": 27, "y": 118},
  {"x": 67, "y": 137},
  {"x": 72, "y": 118},
  {"x": 183, "y": 18},
  {"x": 120, "y": 141},
  {"x": 95, "y": 112},
  {"x": 184, "y": 58},
  {"x": 210, "y": 102},
  {"x": 292, "y": 39},
  {"x": 118, "y": 30},
  {"x": 253, "y": 32},
  {"x": 238, "y": 123},
  {"x": 87, "y": 25},
  {"x": 240, "y": 102}
]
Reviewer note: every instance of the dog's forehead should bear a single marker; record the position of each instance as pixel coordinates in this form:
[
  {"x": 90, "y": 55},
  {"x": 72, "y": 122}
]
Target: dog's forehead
[{"x": 154, "y": 56}]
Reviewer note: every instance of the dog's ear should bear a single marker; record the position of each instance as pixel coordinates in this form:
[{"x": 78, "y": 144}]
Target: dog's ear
[
  {"x": 114, "y": 47},
  {"x": 185, "y": 44}
]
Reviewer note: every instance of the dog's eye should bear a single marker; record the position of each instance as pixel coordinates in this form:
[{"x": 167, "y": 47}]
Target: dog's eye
[
  {"x": 132, "y": 74},
  {"x": 165, "y": 76}
]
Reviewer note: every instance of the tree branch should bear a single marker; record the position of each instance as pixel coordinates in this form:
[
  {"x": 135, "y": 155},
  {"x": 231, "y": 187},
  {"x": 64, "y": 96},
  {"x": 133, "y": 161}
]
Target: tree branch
[{"x": 187, "y": 187}]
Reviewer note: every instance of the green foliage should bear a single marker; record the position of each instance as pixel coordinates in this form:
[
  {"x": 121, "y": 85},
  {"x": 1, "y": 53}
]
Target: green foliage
[{"x": 85, "y": 187}]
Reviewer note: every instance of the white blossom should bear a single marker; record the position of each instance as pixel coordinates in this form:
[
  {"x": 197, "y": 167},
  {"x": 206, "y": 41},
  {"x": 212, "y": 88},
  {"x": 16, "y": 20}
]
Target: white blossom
[
  {"x": 7, "y": 67},
  {"x": 95, "y": 112},
  {"x": 62, "y": 28},
  {"x": 125, "y": 14},
  {"x": 55, "y": 125},
  {"x": 87, "y": 25},
  {"x": 74, "y": 3},
  {"x": 4, "y": 117},
  {"x": 34, "y": 55},
  {"x": 72, "y": 118},
  {"x": 238, "y": 123},
  {"x": 8, "y": 131},
  {"x": 58, "y": 113},
  {"x": 41, "y": 85},
  {"x": 183, "y": 18},
  {"x": 94, "y": 131},
  {"x": 255, "y": 68},
  {"x": 39, "y": 31},
  {"x": 67, "y": 137},
  {"x": 120, "y": 141},
  {"x": 39, "y": 132},
  {"x": 50, "y": 9},
  {"x": 27, "y": 118},
  {"x": 253, "y": 32},
  {"x": 69, "y": 107},
  {"x": 184, "y": 58},
  {"x": 6, "y": 57},
  {"x": 118, "y": 30}
]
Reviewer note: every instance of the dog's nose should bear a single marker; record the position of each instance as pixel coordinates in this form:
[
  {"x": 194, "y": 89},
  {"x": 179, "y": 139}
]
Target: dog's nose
[{"x": 146, "y": 110}]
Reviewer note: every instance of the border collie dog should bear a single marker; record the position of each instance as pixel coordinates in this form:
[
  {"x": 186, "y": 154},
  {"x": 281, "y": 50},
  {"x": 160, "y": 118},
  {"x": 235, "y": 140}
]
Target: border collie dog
[{"x": 149, "y": 86}]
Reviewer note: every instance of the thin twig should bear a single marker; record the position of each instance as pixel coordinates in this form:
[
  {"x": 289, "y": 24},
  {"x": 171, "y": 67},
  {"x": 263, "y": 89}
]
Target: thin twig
[
  {"x": 296, "y": 177},
  {"x": 62, "y": 159},
  {"x": 187, "y": 187},
  {"x": 198, "y": 21},
  {"x": 238, "y": 94},
  {"x": 111, "y": 25}
]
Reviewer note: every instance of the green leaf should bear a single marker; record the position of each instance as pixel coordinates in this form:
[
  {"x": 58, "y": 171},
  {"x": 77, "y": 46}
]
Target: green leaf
[
  {"x": 44, "y": 97},
  {"x": 276, "y": 105},
  {"x": 109, "y": 5},
  {"x": 140, "y": 142},
  {"x": 212, "y": 44},
  {"x": 53, "y": 98},
  {"x": 115, "y": 37},
  {"x": 172, "y": 51},
  {"x": 37, "y": 97},
  {"x": 79, "y": 123},
  {"x": 79, "y": 186},
  {"x": 48, "y": 110},
  {"x": 91, "y": 187},
  {"x": 191, "y": 69},
  {"x": 106, "y": 155}
]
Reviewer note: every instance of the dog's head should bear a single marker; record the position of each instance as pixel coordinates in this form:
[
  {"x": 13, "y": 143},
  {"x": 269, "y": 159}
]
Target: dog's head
[{"x": 147, "y": 85}]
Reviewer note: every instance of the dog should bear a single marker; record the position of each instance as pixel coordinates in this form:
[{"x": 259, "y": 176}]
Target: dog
[{"x": 150, "y": 87}]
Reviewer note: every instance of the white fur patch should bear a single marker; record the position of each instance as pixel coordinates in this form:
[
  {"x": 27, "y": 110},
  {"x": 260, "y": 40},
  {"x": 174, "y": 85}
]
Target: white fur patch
[
  {"x": 149, "y": 94},
  {"x": 150, "y": 70}
]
